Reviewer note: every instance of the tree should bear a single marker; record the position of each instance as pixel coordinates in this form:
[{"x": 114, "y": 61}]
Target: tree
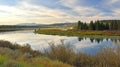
[
  {"x": 107, "y": 26},
  {"x": 100, "y": 25},
  {"x": 115, "y": 25},
  {"x": 79, "y": 25},
  {"x": 91, "y": 26},
  {"x": 97, "y": 25},
  {"x": 85, "y": 26},
  {"x": 118, "y": 25},
  {"x": 111, "y": 26}
]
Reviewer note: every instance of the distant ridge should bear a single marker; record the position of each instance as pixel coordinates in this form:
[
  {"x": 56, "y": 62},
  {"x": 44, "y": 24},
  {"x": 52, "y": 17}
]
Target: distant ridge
[
  {"x": 55, "y": 24},
  {"x": 27, "y": 24}
]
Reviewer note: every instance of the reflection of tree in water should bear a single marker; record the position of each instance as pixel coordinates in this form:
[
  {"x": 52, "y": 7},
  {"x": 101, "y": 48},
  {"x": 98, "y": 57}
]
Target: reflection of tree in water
[
  {"x": 98, "y": 40},
  {"x": 80, "y": 39},
  {"x": 118, "y": 39},
  {"x": 107, "y": 39},
  {"x": 113, "y": 40},
  {"x": 92, "y": 39},
  {"x": 85, "y": 38}
]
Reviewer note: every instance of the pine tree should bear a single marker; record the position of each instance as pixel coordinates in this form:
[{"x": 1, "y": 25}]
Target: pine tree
[
  {"x": 85, "y": 26},
  {"x": 100, "y": 25},
  {"x": 111, "y": 26},
  {"x": 118, "y": 25},
  {"x": 91, "y": 26},
  {"x": 107, "y": 26},
  {"x": 97, "y": 25},
  {"x": 80, "y": 25},
  {"x": 115, "y": 25}
]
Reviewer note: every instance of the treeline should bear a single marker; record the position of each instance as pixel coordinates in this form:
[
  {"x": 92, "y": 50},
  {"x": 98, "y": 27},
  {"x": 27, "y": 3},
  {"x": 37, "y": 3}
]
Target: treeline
[{"x": 100, "y": 25}]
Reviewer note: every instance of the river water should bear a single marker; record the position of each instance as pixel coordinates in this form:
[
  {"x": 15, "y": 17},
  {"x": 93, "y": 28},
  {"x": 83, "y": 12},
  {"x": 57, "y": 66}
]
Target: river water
[{"x": 40, "y": 42}]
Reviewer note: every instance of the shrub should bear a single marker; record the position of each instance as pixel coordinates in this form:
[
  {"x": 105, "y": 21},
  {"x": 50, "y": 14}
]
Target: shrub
[
  {"x": 107, "y": 57},
  {"x": 14, "y": 55}
]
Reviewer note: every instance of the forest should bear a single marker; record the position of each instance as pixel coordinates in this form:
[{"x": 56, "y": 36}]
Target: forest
[{"x": 99, "y": 25}]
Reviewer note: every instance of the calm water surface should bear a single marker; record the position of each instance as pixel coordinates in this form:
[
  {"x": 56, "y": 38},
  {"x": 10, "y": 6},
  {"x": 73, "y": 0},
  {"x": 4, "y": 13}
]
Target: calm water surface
[{"x": 40, "y": 41}]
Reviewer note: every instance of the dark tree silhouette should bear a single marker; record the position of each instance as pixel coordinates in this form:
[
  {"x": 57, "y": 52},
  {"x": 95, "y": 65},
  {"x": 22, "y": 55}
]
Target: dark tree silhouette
[{"x": 100, "y": 25}]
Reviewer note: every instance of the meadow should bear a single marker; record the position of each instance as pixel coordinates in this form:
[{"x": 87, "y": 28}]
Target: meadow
[{"x": 78, "y": 33}]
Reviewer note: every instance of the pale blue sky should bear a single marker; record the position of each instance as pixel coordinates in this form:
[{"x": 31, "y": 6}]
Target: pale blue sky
[{"x": 57, "y": 11}]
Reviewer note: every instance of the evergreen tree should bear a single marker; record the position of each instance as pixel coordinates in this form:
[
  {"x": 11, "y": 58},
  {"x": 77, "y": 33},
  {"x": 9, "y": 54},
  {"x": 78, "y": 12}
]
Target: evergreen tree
[
  {"x": 100, "y": 25},
  {"x": 91, "y": 26},
  {"x": 115, "y": 25},
  {"x": 107, "y": 26},
  {"x": 79, "y": 25},
  {"x": 85, "y": 26},
  {"x": 111, "y": 26},
  {"x": 82, "y": 26},
  {"x": 97, "y": 25},
  {"x": 118, "y": 25}
]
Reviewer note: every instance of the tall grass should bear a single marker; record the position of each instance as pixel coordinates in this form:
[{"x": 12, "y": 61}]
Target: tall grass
[
  {"x": 57, "y": 56},
  {"x": 106, "y": 57},
  {"x": 14, "y": 55}
]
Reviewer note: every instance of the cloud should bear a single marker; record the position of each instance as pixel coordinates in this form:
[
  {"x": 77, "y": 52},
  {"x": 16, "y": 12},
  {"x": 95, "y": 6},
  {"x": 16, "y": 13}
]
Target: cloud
[
  {"x": 113, "y": 1},
  {"x": 116, "y": 13},
  {"x": 55, "y": 11},
  {"x": 26, "y": 12},
  {"x": 80, "y": 9},
  {"x": 94, "y": 10}
]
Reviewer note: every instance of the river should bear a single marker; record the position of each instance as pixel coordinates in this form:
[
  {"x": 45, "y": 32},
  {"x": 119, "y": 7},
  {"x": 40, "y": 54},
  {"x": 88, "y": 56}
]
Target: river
[{"x": 40, "y": 41}]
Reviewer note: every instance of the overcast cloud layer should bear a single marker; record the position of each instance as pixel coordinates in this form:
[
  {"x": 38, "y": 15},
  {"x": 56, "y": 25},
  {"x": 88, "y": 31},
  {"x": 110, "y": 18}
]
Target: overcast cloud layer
[{"x": 57, "y": 11}]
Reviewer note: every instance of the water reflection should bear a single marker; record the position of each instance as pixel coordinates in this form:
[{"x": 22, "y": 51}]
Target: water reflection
[
  {"x": 99, "y": 40},
  {"x": 92, "y": 45},
  {"x": 40, "y": 42}
]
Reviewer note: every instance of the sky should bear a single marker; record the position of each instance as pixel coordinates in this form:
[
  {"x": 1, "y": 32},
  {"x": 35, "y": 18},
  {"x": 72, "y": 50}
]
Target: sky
[{"x": 57, "y": 11}]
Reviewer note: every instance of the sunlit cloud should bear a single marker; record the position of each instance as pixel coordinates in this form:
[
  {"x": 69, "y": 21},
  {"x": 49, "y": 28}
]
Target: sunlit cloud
[
  {"x": 113, "y": 1},
  {"x": 60, "y": 11}
]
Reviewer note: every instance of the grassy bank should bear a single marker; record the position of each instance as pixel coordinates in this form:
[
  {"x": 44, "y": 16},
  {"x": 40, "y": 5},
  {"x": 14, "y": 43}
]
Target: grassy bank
[
  {"x": 106, "y": 57},
  {"x": 13, "y": 55},
  {"x": 76, "y": 32}
]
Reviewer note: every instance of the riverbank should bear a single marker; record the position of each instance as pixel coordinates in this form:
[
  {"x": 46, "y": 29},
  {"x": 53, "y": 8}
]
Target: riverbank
[
  {"x": 14, "y": 55},
  {"x": 79, "y": 33}
]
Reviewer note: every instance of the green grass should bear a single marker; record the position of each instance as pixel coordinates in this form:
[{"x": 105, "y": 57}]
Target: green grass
[
  {"x": 77, "y": 33},
  {"x": 8, "y": 62},
  {"x": 34, "y": 62}
]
